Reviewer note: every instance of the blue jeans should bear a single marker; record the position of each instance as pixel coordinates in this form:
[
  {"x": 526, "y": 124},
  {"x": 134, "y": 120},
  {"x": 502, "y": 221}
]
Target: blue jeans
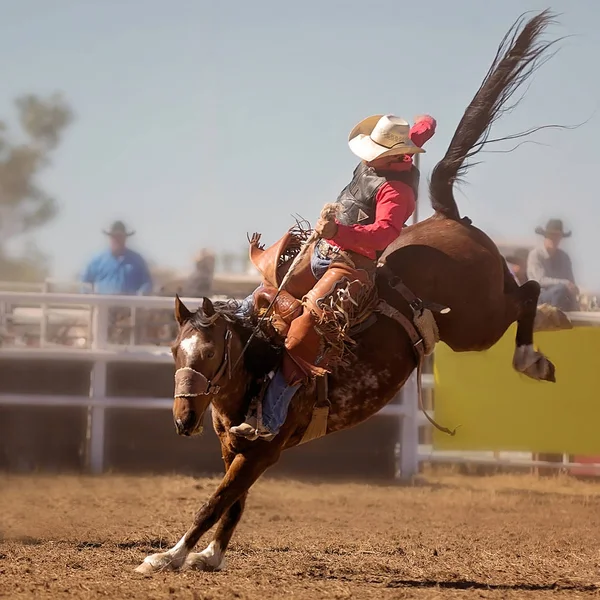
[
  {"x": 559, "y": 296},
  {"x": 279, "y": 394}
]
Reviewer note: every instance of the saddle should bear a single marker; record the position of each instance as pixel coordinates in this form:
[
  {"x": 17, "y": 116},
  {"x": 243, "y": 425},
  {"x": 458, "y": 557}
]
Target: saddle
[
  {"x": 345, "y": 293},
  {"x": 316, "y": 319},
  {"x": 274, "y": 262}
]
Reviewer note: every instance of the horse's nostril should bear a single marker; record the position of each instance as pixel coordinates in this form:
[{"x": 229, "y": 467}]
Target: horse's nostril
[{"x": 186, "y": 425}]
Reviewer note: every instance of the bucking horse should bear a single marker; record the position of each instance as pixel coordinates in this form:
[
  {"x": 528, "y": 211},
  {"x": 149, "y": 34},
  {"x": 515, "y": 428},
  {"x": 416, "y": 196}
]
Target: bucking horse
[{"x": 443, "y": 261}]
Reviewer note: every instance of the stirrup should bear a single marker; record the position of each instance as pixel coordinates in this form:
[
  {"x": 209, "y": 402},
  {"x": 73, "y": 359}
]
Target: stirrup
[
  {"x": 245, "y": 430},
  {"x": 252, "y": 427}
]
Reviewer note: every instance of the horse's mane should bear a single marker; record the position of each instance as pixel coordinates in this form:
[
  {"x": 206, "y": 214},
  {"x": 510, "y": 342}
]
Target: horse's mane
[{"x": 261, "y": 355}]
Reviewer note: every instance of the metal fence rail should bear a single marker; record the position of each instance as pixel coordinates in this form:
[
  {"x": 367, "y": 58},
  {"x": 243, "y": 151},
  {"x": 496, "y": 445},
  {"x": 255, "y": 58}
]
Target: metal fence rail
[{"x": 100, "y": 353}]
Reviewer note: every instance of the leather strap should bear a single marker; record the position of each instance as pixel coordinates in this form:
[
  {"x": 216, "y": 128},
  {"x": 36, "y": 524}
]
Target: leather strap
[
  {"x": 385, "y": 309},
  {"x": 415, "y": 303},
  {"x": 417, "y": 341}
]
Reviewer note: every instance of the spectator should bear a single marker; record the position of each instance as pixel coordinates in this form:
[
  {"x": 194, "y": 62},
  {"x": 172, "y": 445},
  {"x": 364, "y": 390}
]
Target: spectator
[
  {"x": 118, "y": 270},
  {"x": 551, "y": 267},
  {"x": 517, "y": 265},
  {"x": 200, "y": 281}
]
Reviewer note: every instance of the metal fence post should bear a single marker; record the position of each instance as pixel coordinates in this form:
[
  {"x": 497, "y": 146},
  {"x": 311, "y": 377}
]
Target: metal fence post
[
  {"x": 44, "y": 321},
  {"x": 96, "y": 416},
  {"x": 409, "y": 443}
]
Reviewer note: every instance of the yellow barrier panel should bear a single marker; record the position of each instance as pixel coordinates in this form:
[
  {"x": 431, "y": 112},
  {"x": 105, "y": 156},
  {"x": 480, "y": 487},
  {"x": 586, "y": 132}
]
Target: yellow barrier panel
[{"x": 499, "y": 409}]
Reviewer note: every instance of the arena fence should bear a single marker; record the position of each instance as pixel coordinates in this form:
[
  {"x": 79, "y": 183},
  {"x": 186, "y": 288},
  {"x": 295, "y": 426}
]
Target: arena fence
[{"x": 91, "y": 314}]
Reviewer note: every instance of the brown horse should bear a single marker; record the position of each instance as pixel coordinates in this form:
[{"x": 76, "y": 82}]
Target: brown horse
[{"x": 443, "y": 259}]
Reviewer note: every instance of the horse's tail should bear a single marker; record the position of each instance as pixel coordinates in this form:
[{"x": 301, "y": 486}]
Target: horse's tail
[{"x": 520, "y": 53}]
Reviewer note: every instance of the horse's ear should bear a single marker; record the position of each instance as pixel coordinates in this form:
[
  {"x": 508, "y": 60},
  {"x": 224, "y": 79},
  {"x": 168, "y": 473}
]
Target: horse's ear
[
  {"x": 182, "y": 314},
  {"x": 207, "y": 307}
]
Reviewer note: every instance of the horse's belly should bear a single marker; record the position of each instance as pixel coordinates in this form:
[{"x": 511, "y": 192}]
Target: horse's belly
[{"x": 363, "y": 392}]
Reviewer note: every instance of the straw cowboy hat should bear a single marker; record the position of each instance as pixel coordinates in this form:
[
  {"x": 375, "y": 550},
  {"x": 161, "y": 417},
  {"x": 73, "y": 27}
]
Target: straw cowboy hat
[
  {"x": 118, "y": 228},
  {"x": 553, "y": 227},
  {"x": 380, "y": 136}
]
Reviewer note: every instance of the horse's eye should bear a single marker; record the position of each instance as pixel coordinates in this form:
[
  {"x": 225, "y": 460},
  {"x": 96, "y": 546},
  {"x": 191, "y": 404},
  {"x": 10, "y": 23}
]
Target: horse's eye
[{"x": 210, "y": 354}]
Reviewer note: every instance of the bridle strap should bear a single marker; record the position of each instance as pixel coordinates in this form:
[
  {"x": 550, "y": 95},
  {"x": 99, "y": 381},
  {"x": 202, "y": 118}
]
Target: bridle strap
[{"x": 190, "y": 383}]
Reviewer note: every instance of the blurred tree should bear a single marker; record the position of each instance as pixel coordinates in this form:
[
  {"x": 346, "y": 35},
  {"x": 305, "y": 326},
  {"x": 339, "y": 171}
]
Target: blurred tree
[{"x": 24, "y": 206}]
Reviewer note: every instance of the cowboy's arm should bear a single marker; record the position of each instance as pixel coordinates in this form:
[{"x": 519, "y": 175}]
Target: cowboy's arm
[
  {"x": 395, "y": 203},
  {"x": 537, "y": 272},
  {"x": 423, "y": 129}
]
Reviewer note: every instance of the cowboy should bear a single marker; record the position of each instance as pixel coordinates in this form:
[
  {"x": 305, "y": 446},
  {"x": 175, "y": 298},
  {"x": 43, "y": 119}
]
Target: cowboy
[
  {"x": 369, "y": 214},
  {"x": 118, "y": 270},
  {"x": 551, "y": 268}
]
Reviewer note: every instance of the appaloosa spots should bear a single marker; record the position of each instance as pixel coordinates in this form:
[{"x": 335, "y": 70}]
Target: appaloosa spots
[{"x": 343, "y": 397}]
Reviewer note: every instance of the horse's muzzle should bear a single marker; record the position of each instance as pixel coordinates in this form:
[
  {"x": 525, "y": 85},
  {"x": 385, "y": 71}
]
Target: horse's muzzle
[{"x": 188, "y": 426}]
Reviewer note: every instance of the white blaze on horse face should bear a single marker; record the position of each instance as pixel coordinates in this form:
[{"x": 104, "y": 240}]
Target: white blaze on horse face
[{"x": 190, "y": 346}]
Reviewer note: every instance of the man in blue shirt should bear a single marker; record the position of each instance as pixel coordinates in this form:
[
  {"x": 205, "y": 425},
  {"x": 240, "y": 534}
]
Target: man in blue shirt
[{"x": 118, "y": 270}]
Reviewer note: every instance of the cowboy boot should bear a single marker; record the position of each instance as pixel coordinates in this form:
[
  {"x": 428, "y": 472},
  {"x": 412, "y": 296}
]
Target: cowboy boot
[
  {"x": 250, "y": 428},
  {"x": 276, "y": 398}
]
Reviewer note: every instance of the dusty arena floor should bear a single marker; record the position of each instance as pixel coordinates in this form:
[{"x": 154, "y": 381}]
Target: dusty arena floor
[{"x": 449, "y": 537}]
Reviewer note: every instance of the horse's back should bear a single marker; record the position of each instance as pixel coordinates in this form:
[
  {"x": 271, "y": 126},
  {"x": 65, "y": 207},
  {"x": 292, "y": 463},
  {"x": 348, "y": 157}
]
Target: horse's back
[{"x": 456, "y": 264}]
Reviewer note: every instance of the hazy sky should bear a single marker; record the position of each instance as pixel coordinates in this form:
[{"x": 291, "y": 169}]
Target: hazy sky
[{"x": 198, "y": 121}]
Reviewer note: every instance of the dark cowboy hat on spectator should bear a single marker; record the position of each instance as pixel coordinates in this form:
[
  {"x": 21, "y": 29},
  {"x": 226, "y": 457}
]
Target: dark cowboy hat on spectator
[
  {"x": 118, "y": 228},
  {"x": 553, "y": 226}
]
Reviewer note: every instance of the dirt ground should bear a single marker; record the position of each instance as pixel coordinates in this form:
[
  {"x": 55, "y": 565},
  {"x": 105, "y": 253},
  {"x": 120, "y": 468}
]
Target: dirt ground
[{"x": 451, "y": 536}]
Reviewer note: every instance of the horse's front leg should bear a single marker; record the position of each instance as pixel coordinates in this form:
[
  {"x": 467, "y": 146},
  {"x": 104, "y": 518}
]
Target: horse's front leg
[
  {"x": 245, "y": 469},
  {"x": 212, "y": 558}
]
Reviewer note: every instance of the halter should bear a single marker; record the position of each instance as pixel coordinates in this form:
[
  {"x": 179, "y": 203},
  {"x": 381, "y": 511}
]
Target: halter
[{"x": 190, "y": 383}]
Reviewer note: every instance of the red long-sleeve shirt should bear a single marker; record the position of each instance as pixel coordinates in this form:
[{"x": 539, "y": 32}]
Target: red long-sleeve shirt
[{"x": 394, "y": 204}]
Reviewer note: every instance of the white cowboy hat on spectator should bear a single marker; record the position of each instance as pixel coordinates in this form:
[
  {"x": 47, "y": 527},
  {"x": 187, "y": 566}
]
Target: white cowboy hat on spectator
[{"x": 380, "y": 136}]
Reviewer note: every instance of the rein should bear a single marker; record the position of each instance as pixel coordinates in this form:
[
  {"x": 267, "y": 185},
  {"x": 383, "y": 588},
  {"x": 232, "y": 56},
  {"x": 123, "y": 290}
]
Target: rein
[{"x": 190, "y": 383}]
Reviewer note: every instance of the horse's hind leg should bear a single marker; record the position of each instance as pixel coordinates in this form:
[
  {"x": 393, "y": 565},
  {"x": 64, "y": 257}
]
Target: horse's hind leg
[{"x": 527, "y": 359}]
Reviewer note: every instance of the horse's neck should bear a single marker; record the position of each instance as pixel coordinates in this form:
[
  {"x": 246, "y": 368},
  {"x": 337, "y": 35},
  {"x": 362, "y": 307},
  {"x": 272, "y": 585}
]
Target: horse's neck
[{"x": 231, "y": 400}]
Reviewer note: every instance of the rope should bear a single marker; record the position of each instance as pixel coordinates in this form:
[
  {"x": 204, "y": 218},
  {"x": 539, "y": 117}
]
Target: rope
[{"x": 450, "y": 432}]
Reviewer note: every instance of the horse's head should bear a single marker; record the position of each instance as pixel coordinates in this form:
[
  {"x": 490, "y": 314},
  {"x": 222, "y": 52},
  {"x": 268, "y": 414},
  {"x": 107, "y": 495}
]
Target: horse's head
[{"x": 202, "y": 353}]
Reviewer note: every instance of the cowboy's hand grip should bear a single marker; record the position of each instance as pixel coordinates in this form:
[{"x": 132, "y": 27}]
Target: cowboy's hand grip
[{"x": 326, "y": 226}]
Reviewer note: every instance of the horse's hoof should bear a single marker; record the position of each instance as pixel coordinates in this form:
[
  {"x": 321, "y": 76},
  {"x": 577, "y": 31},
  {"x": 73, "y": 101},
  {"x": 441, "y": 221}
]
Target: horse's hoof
[
  {"x": 550, "y": 318},
  {"x": 145, "y": 569},
  {"x": 158, "y": 562},
  {"x": 210, "y": 559},
  {"x": 533, "y": 364}
]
